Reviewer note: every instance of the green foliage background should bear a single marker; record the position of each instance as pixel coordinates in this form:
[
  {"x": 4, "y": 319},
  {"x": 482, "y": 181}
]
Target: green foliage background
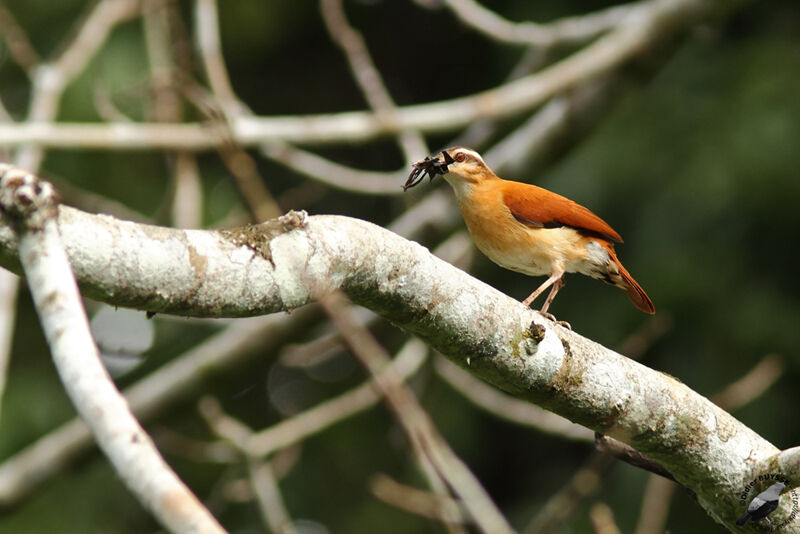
[{"x": 698, "y": 168}]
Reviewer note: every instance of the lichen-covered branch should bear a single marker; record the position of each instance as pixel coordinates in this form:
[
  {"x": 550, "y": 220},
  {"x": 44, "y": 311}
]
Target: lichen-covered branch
[{"x": 280, "y": 264}]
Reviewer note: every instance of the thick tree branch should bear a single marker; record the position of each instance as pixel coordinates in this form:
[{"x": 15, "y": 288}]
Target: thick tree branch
[
  {"x": 280, "y": 264},
  {"x": 243, "y": 339}
]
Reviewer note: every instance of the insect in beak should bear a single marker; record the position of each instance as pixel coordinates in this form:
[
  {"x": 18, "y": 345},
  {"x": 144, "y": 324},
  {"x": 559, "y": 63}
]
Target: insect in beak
[{"x": 430, "y": 166}]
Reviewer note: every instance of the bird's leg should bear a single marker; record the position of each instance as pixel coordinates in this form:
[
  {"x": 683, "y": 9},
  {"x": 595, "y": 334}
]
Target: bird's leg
[
  {"x": 556, "y": 280},
  {"x": 554, "y": 277},
  {"x": 556, "y": 274},
  {"x": 558, "y": 284}
]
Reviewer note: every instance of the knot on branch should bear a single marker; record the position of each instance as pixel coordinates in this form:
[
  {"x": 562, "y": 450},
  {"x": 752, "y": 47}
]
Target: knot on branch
[
  {"x": 293, "y": 219},
  {"x": 25, "y": 199},
  {"x": 257, "y": 237}
]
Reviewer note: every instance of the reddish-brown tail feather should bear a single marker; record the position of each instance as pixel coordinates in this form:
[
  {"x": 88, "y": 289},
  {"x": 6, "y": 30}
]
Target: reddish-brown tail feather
[{"x": 634, "y": 290}]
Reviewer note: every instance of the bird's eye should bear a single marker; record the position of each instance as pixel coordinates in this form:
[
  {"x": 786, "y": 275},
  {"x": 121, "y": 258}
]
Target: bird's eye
[{"x": 460, "y": 157}]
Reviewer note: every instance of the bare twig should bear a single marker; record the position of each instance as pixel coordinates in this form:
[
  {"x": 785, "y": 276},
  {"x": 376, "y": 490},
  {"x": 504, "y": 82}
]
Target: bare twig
[
  {"x": 268, "y": 495},
  {"x": 241, "y": 165},
  {"x": 166, "y": 106},
  {"x": 19, "y": 45},
  {"x": 507, "y": 407},
  {"x": 603, "y": 519},
  {"x": 90, "y": 34},
  {"x": 584, "y": 482},
  {"x": 653, "y": 329},
  {"x": 643, "y": 29},
  {"x": 105, "y": 107},
  {"x": 251, "y": 185},
  {"x": 479, "y": 133},
  {"x": 334, "y": 174},
  {"x": 58, "y": 303},
  {"x": 5, "y": 116},
  {"x": 9, "y": 283},
  {"x": 249, "y": 182},
  {"x": 367, "y": 76},
  {"x": 92, "y": 202},
  {"x": 628, "y": 454},
  {"x": 752, "y": 385},
  {"x": 9, "y": 286},
  {"x": 316, "y": 419},
  {"x": 51, "y": 78},
  {"x": 413, "y": 500},
  {"x": 655, "y": 505},
  {"x": 539, "y": 139},
  {"x": 569, "y": 30},
  {"x": 21, "y": 473},
  {"x": 300, "y": 161},
  {"x": 415, "y": 421},
  {"x": 219, "y": 451},
  {"x": 313, "y": 352},
  {"x": 48, "y": 84},
  {"x": 210, "y": 46},
  {"x": 332, "y": 411},
  {"x": 188, "y": 194},
  {"x": 262, "y": 479}
]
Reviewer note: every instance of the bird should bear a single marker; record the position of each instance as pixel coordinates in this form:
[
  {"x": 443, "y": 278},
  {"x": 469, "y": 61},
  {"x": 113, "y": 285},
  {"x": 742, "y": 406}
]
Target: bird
[
  {"x": 528, "y": 229},
  {"x": 763, "y": 504}
]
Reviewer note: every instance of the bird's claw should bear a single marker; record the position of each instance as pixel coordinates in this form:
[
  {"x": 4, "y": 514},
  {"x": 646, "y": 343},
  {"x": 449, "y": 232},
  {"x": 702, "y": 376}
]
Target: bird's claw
[{"x": 552, "y": 317}]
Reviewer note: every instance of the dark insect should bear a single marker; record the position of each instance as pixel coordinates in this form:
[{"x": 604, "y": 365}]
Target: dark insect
[{"x": 430, "y": 166}]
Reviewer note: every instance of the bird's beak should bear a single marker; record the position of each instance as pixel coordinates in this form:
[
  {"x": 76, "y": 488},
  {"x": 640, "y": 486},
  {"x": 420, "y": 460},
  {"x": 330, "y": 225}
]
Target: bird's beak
[
  {"x": 430, "y": 166},
  {"x": 447, "y": 160}
]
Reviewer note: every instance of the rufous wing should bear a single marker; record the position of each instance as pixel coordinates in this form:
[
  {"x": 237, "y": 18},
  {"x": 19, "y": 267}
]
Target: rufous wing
[{"x": 533, "y": 205}]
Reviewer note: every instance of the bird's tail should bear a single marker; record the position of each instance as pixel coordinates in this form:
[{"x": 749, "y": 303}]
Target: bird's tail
[
  {"x": 634, "y": 291},
  {"x": 742, "y": 520}
]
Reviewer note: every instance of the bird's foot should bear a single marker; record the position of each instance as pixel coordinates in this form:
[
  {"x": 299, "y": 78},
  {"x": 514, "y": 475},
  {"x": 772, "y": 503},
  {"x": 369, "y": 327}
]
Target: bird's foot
[{"x": 552, "y": 317}]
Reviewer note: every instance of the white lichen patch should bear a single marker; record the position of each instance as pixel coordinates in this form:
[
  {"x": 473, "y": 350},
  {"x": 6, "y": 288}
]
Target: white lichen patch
[
  {"x": 293, "y": 272},
  {"x": 548, "y": 357}
]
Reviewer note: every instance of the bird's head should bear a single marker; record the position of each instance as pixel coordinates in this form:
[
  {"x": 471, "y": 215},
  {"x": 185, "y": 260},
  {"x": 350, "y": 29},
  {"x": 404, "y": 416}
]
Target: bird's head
[{"x": 460, "y": 166}]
